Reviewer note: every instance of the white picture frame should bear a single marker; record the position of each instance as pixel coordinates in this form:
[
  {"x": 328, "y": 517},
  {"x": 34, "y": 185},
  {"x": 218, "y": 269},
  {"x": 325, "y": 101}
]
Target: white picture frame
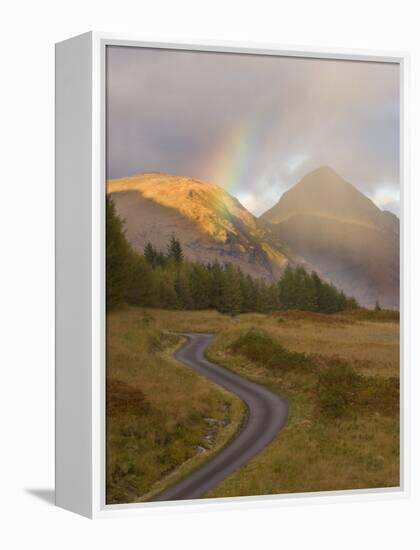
[{"x": 80, "y": 276}]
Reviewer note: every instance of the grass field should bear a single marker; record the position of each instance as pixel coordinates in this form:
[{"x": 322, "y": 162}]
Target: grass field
[
  {"x": 162, "y": 419},
  {"x": 339, "y": 373}
]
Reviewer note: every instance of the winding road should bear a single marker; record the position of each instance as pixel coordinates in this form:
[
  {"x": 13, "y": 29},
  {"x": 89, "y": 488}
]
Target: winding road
[{"x": 267, "y": 414}]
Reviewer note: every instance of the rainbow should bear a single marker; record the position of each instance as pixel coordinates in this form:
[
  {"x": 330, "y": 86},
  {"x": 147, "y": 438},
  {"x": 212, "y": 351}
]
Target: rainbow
[{"x": 235, "y": 156}]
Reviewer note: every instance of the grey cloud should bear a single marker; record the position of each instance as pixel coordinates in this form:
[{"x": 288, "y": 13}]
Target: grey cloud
[{"x": 174, "y": 111}]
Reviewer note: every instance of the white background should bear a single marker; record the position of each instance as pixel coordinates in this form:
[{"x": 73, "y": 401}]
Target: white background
[{"x": 28, "y": 32}]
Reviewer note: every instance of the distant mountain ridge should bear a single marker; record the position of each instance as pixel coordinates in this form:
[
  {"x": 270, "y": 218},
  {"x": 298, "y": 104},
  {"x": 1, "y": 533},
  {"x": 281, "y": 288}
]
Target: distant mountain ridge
[
  {"x": 323, "y": 223},
  {"x": 327, "y": 222}
]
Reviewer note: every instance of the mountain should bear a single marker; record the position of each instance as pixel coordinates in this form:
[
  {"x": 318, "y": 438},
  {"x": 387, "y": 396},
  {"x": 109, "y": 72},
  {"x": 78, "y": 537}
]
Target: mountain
[
  {"x": 342, "y": 234},
  {"x": 393, "y": 220},
  {"x": 209, "y": 222}
]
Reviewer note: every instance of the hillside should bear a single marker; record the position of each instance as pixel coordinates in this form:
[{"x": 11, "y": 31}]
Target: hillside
[
  {"x": 209, "y": 222},
  {"x": 340, "y": 232}
]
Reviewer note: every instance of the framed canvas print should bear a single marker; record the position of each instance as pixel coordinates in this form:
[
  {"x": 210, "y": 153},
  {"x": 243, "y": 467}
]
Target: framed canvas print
[{"x": 230, "y": 268}]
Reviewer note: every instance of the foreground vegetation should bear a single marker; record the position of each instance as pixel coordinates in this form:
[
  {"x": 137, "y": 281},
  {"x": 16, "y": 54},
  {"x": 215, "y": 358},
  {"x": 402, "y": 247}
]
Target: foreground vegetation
[
  {"x": 339, "y": 374},
  {"x": 343, "y": 427},
  {"x": 335, "y": 363},
  {"x": 162, "y": 419}
]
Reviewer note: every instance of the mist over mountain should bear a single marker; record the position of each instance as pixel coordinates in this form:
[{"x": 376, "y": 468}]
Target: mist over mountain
[
  {"x": 342, "y": 234},
  {"x": 323, "y": 223}
]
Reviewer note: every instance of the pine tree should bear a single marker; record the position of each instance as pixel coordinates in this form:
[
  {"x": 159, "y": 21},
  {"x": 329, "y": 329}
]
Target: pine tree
[
  {"x": 317, "y": 286},
  {"x": 200, "y": 282},
  {"x": 288, "y": 293},
  {"x": 299, "y": 290},
  {"x": 142, "y": 288},
  {"x": 183, "y": 291},
  {"x": 175, "y": 250},
  {"x": 118, "y": 258},
  {"x": 150, "y": 254},
  {"x": 272, "y": 297},
  {"x": 158, "y": 280},
  {"x": 303, "y": 290},
  {"x": 231, "y": 296},
  {"x": 249, "y": 293},
  {"x": 216, "y": 285},
  {"x": 167, "y": 293}
]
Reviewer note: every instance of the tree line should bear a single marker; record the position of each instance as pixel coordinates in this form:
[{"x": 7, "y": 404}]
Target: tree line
[{"x": 168, "y": 280}]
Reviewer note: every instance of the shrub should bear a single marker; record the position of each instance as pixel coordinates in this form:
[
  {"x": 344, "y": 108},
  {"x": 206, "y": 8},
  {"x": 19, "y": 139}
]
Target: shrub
[
  {"x": 337, "y": 389},
  {"x": 260, "y": 348},
  {"x": 380, "y": 395},
  {"x": 159, "y": 341},
  {"x": 380, "y": 316},
  {"x": 341, "y": 390},
  {"x": 124, "y": 398},
  {"x": 313, "y": 317}
]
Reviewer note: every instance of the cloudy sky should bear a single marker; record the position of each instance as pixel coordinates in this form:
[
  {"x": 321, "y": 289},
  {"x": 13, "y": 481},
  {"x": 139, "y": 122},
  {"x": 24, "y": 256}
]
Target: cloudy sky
[{"x": 253, "y": 124}]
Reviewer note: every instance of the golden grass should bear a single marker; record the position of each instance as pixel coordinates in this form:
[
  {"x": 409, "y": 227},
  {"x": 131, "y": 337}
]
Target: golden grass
[
  {"x": 156, "y": 409},
  {"x": 351, "y": 454},
  {"x": 312, "y": 453},
  {"x": 371, "y": 347},
  {"x": 375, "y": 316},
  {"x": 311, "y": 316},
  {"x": 210, "y": 321},
  {"x": 315, "y": 452}
]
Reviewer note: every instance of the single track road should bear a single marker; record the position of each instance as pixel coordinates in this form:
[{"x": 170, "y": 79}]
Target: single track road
[{"x": 267, "y": 414}]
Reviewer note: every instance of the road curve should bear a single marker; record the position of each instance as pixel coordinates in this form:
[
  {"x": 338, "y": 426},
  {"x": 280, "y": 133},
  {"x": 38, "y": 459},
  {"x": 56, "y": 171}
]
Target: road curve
[{"x": 267, "y": 414}]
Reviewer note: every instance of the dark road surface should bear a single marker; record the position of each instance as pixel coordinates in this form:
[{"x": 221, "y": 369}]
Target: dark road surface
[{"x": 267, "y": 414}]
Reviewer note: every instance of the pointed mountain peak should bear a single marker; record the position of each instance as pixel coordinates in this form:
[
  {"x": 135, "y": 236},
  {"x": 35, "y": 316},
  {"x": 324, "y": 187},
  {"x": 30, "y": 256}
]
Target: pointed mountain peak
[
  {"x": 324, "y": 193},
  {"x": 323, "y": 177},
  {"x": 324, "y": 170}
]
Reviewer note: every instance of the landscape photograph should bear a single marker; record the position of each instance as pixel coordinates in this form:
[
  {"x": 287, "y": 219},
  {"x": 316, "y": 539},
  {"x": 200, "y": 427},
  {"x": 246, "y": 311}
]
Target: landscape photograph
[{"x": 252, "y": 275}]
